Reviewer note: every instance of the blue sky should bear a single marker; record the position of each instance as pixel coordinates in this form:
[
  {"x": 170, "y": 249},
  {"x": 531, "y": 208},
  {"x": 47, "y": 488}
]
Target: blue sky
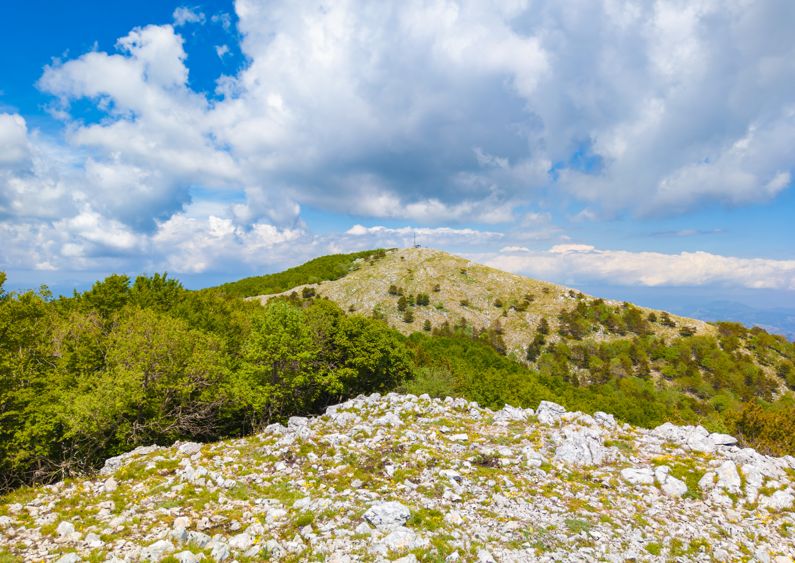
[{"x": 640, "y": 145}]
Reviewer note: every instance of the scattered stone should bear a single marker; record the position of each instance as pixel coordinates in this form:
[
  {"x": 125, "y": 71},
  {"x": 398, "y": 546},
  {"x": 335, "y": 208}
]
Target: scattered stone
[
  {"x": 580, "y": 447},
  {"x": 722, "y": 439},
  {"x": 641, "y": 476},
  {"x": 65, "y": 529},
  {"x": 157, "y": 550},
  {"x": 669, "y": 484},
  {"x": 387, "y": 515}
]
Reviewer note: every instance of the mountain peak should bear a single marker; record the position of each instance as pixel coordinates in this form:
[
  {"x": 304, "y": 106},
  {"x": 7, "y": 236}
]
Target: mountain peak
[{"x": 455, "y": 290}]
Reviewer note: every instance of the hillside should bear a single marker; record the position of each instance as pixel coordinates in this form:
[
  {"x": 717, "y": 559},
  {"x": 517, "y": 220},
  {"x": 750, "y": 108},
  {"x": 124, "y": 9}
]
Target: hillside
[
  {"x": 409, "y": 478},
  {"x": 460, "y": 289}
]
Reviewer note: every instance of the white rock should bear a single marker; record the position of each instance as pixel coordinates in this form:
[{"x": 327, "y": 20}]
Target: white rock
[
  {"x": 604, "y": 419},
  {"x": 549, "y": 412},
  {"x": 387, "y": 515},
  {"x": 641, "y": 476},
  {"x": 780, "y": 500},
  {"x": 94, "y": 541},
  {"x": 198, "y": 539},
  {"x": 484, "y": 556},
  {"x": 722, "y": 439},
  {"x": 410, "y": 558},
  {"x": 581, "y": 447},
  {"x": 669, "y": 484},
  {"x": 220, "y": 551},
  {"x": 156, "y": 551},
  {"x": 69, "y": 558},
  {"x": 389, "y": 419},
  {"x": 65, "y": 529},
  {"x": 187, "y": 557},
  {"x": 458, "y": 437},
  {"x": 454, "y": 517},
  {"x": 753, "y": 481},
  {"x": 189, "y": 448},
  {"x": 400, "y": 539},
  {"x": 728, "y": 477},
  {"x": 707, "y": 481},
  {"x": 241, "y": 542},
  {"x": 110, "y": 485},
  {"x": 532, "y": 457}
]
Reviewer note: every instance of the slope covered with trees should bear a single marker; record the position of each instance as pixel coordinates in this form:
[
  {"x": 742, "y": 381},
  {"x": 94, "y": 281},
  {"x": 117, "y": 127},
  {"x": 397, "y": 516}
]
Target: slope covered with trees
[{"x": 136, "y": 362}]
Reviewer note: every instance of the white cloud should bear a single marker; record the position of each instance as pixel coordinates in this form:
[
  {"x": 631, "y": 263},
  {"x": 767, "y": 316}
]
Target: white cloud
[
  {"x": 14, "y": 150},
  {"x": 359, "y": 230},
  {"x": 578, "y": 263},
  {"x": 184, "y": 15},
  {"x": 435, "y": 112}
]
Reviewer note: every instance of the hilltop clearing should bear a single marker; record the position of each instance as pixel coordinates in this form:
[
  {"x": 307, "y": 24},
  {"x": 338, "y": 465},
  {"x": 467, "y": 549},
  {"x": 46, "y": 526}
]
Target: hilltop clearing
[{"x": 415, "y": 479}]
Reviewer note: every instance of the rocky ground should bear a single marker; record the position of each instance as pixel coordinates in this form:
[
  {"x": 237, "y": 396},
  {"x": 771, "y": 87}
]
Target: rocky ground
[{"x": 410, "y": 478}]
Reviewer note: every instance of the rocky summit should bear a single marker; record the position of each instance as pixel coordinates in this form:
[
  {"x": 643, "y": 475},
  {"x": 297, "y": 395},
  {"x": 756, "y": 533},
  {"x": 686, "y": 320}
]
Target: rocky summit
[{"x": 407, "y": 478}]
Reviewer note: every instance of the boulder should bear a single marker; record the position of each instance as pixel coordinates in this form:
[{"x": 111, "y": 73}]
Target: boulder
[
  {"x": 604, "y": 419},
  {"x": 669, "y": 484},
  {"x": 157, "y": 550},
  {"x": 241, "y": 542},
  {"x": 400, "y": 539},
  {"x": 641, "y": 476},
  {"x": 387, "y": 515},
  {"x": 722, "y": 439},
  {"x": 728, "y": 478},
  {"x": 189, "y": 448},
  {"x": 65, "y": 529},
  {"x": 581, "y": 447},
  {"x": 549, "y": 412}
]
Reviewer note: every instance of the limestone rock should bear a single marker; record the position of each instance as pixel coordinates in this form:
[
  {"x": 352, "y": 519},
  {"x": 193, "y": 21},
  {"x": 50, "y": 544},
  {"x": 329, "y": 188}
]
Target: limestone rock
[
  {"x": 549, "y": 412},
  {"x": 641, "y": 476},
  {"x": 387, "y": 515},
  {"x": 581, "y": 447}
]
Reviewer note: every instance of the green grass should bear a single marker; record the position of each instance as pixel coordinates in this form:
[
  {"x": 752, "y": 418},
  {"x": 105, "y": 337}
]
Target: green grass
[
  {"x": 654, "y": 548},
  {"x": 576, "y": 525}
]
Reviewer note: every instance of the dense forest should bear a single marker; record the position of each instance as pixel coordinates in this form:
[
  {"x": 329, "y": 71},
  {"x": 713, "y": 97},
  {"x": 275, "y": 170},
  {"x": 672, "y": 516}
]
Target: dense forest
[{"x": 134, "y": 362}]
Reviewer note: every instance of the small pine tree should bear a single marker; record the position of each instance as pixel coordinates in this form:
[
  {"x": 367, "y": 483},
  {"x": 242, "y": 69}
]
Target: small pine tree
[
  {"x": 437, "y": 288},
  {"x": 393, "y": 290},
  {"x": 401, "y": 304},
  {"x": 666, "y": 320},
  {"x": 426, "y": 326},
  {"x": 543, "y": 326},
  {"x": 408, "y": 316}
]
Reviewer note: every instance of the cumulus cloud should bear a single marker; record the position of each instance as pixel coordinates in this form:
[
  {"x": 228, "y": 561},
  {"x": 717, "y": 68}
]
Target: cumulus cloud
[
  {"x": 184, "y": 15},
  {"x": 442, "y": 113},
  {"x": 579, "y": 262}
]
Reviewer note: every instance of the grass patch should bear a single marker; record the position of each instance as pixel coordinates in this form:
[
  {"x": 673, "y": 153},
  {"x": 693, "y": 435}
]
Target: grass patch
[{"x": 577, "y": 526}]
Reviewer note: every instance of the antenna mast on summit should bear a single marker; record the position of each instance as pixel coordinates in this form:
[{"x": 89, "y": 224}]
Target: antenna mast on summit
[{"x": 415, "y": 239}]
